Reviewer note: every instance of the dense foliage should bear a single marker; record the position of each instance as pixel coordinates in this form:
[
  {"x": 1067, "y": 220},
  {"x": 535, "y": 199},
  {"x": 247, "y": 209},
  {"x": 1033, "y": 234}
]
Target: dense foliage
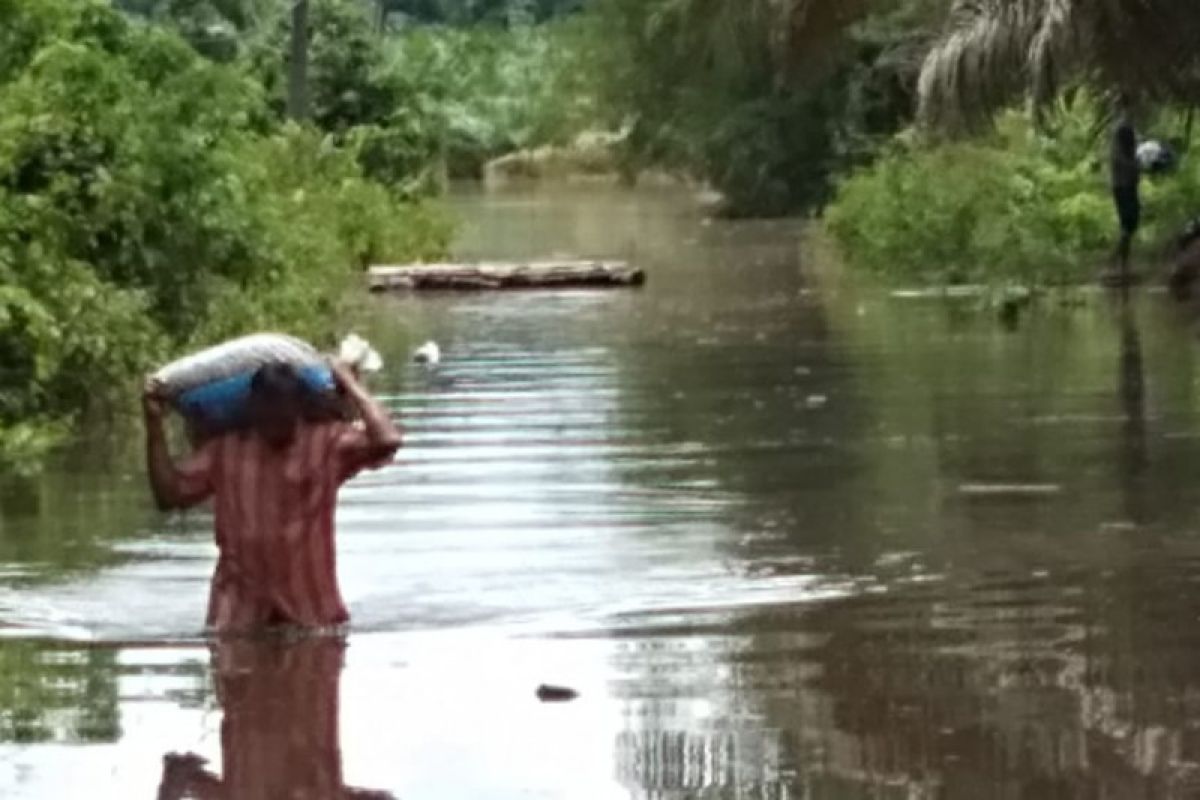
[
  {"x": 149, "y": 202},
  {"x": 1020, "y": 204},
  {"x": 707, "y": 89},
  {"x": 483, "y": 92},
  {"x": 429, "y": 101}
]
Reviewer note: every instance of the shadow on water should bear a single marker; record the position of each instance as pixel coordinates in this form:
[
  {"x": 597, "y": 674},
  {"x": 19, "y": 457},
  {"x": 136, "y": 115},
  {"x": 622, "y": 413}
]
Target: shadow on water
[{"x": 788, "y": 537}]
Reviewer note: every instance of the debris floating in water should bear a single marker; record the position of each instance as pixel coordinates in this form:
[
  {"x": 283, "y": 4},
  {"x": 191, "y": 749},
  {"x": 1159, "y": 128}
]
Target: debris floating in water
[
  {"x": 555, "y": 694},
  {"x": 428, "y": 353},
  {"x": 939, "y": 293},
  {"x": 1010, "y": 489},
  {"x": 560, "y": 274}
]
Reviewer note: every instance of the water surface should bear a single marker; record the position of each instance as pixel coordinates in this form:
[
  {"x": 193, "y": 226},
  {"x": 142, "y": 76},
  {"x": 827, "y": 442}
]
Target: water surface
[{"x": 789, "y": 536}]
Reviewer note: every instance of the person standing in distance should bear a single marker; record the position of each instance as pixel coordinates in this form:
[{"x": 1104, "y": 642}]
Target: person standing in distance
[{"x": 1125, "y": 175}]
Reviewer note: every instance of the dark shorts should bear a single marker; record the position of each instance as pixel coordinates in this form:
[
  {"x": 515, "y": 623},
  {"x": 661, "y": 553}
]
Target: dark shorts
[{"x": 1129, "y": 208}]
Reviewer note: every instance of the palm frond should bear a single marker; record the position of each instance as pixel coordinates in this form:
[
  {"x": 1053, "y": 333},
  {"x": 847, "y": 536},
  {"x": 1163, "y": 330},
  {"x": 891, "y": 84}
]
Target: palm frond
[{"x": 997, "y": 51}]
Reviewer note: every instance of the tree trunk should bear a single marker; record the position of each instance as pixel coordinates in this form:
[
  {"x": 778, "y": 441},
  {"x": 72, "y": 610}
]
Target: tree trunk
[{"x": 298, "y": 65}]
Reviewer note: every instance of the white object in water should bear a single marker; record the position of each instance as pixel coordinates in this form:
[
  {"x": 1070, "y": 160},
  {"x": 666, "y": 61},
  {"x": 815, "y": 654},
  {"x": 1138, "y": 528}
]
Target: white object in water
[
  {"x": 358, "y": 353},
  {"x": 1010, "y": 489},
  {"x": 428, "y": 353}
]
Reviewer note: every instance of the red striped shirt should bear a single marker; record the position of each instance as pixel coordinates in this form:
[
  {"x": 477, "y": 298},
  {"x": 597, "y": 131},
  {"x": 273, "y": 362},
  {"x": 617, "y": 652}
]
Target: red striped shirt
[{"x": 274, "y": 513}]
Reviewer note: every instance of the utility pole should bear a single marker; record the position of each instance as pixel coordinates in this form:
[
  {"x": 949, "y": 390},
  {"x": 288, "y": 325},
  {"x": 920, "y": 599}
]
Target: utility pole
[{"x": 298, "y": 65}]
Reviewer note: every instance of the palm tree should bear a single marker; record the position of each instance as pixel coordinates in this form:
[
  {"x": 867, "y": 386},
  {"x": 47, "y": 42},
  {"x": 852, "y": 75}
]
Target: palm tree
[
  {"x": 996, "y": 51},
  {"x": 297, "y": 98}
]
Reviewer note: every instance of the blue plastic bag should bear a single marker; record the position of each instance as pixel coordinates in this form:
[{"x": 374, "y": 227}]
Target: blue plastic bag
[{"x": 222, "y": 403}]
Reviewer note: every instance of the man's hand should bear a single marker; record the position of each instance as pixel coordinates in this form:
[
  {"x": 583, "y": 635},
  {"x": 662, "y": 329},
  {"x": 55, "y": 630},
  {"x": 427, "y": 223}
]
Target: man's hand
[
  {"x": 154, "y": 405},
  {"x": 164, "y": 481},
  {"x": 382, "y": 436},
  {"x": 344, "y": 375}
]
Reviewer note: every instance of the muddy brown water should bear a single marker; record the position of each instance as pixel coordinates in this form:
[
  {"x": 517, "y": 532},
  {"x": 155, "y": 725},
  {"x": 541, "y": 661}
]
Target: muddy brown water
[{"x": 787, "y": 536}]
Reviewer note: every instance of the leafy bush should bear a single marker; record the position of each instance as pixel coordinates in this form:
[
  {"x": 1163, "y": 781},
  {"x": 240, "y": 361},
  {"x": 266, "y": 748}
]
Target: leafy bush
[
  {"x": 346, "y": 83},
  {"x": 484, "y": 92},
  {"x": 772, "y": 155},
  {"x": 406, "y": 154},
  {"x": 1017, "y": 205},
  {"x": 317, "y": 216},
  {"x": 425, "y": 100},
  {"x": 147, "y": 205}
]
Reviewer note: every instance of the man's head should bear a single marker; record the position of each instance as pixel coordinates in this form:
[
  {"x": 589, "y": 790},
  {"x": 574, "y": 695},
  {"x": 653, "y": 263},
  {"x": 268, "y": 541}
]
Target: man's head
[{"x": 277, "y": 402}]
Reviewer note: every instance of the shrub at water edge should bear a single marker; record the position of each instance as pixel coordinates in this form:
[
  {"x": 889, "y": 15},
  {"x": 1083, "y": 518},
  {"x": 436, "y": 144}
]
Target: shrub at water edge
[{"x": 1015, "y": 206}]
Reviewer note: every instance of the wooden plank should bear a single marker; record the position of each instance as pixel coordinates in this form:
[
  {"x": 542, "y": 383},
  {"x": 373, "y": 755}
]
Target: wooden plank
[
  {"x": 1002, "y": 490},
  {"x": 502, "y": 275}
]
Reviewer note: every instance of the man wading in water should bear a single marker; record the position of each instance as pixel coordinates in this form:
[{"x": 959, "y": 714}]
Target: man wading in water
[
  {"x": 1126, "y": 174},
  {"x": 274, "y": 488}
]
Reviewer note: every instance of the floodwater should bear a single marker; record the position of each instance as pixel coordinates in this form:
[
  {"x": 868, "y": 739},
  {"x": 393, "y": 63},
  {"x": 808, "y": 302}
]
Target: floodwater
[{"x": 787, "y": 535}]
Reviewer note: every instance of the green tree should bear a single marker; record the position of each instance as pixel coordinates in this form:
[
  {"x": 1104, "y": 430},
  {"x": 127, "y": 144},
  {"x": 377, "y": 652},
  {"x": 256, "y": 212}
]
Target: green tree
[
  {"x": 216, "y": 28},
  {"x": 345, "y": 82},
  {"x": 767, "y": 101}
]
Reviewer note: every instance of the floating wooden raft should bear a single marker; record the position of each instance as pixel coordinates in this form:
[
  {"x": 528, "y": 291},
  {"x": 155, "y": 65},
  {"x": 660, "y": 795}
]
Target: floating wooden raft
[{"x": 531, "y": 275}]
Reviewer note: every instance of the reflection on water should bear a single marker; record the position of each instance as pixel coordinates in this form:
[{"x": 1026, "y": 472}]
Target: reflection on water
[
  {"x": 279, "y": 733},
  {"x": 1133, "y": 406},
  {"x": 789, "y": 537},
  {"x": 57, "y": 694}
]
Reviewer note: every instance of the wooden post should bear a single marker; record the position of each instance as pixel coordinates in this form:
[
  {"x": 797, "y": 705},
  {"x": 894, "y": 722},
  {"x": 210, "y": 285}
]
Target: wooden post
[{"x": 298, "y": 66}]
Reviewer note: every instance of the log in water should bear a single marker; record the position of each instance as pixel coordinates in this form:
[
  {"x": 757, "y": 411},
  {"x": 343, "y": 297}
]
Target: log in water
[{"x": 503, "y": 275}]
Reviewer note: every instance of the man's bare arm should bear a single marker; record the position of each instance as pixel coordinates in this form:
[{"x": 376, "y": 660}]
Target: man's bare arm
[
  {"x": 383, "y": 437},
  {"x": 164, "y": 479}
]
